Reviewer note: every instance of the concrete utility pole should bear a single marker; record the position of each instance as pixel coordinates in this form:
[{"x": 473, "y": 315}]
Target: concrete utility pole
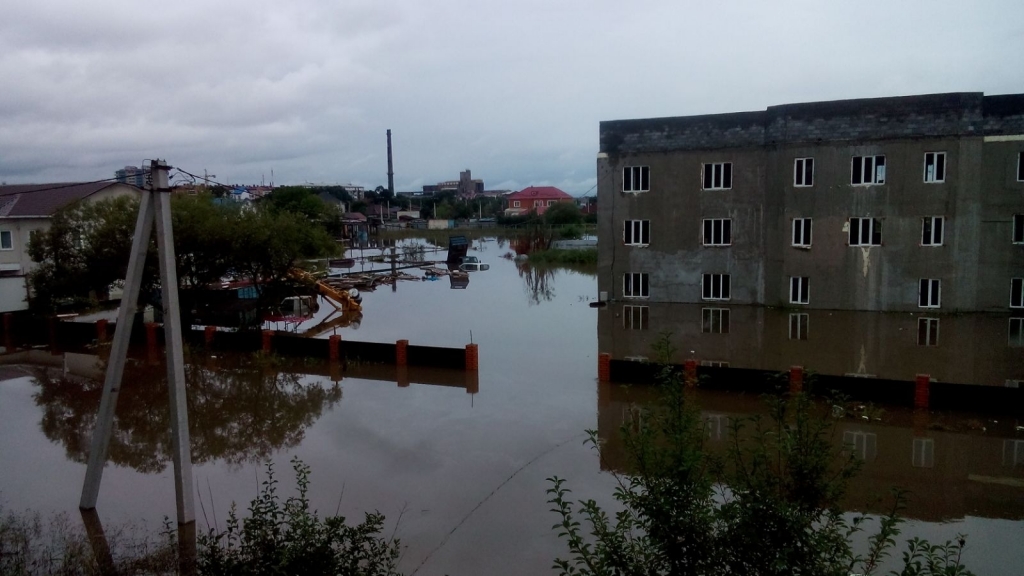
[
  {"x": 391, "y": 171},
  {"x": 155, "y": 208}
]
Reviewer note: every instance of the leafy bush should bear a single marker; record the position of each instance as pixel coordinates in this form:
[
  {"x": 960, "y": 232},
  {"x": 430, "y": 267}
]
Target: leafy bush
[
  {"x": 287, "y": 538},
  {"x": 769, "y": 506}
]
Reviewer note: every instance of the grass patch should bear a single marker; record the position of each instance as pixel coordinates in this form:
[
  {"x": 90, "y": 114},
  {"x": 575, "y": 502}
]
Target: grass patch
[{"x": 554, "y": 256}]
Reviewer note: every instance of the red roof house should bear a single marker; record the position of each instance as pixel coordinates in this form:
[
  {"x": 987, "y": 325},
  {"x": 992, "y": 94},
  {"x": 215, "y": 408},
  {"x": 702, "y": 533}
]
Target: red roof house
[{"x": 535, "y": 199}]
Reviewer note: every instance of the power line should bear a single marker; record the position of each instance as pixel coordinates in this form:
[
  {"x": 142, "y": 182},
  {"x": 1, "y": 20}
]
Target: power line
[{"x": 62, "y": 186}]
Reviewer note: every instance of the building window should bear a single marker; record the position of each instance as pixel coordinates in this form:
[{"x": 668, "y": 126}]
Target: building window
[
  {"x": 551, "y": 202},
  {"x": 715, "y": 287},
  {"x": 929, "y": 293},
  {"x": 636, "y": 232},
  {"x": 931, "y": 230},
  {"x": 635, "y": 317},
  {"x": 1018, "y": 228},
  {"x": 802, "y": 232},
  {"x": 935, "y": 167},
  {"x": 798, "y": 326},
  {"x": 865, "y": 232},
  {"x": 636, "y": 179},
  {"x": 1013, "y": 452},
  {"x": 924, "y": 453},
  {"x": 718, "y": 232},
  {"x": 634, "y": 285},
  {"x": 714, "y": 320},
  {"x": 1017, "y": 293},
  {"x": 714, "y": 363},
  {"x": 718, "y": 176},
  {"x": 538, "y": 203},
  {"x": 515, "y": 203},
  {"x": 6, "y": 240},
  {"x": 1015, "y": 336},
  {"x": 799, "y": 290},
  {"x": 862, "y": 444},
  {"x": 867, "y": 170},
  {"x": 803, "y": 172},
  {"x": 927, "y": 331}
]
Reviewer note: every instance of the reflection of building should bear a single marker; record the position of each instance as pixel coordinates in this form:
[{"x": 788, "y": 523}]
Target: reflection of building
[
  {"x": 964, "y": 349},
  {"x": 534, "y": 199},
  {"x": 881, "y": 204},
  {"x": 950, "y": 474},
  {"x": 27, "y": 209}
]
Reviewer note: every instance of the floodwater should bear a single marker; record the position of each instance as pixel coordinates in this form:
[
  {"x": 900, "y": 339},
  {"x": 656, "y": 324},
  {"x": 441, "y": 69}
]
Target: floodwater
[{"x": 459, "y": 465}]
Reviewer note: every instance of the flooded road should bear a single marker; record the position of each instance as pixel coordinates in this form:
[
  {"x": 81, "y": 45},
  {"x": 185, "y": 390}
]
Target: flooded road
[{"x": 459, "y": 468}]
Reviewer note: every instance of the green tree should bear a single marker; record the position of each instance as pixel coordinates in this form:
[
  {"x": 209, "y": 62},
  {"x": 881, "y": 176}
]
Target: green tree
[
  {"x": 83, "y": 252},
  {"x": 562, "y": 214},
  {"x": 771, "y": 505},
  {"x": 297, "y": 200},
  {"x": 87, "y": 246}
]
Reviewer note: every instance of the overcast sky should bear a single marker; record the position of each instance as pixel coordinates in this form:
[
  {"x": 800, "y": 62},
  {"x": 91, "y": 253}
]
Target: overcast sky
[{"x": 513, "y": 90}]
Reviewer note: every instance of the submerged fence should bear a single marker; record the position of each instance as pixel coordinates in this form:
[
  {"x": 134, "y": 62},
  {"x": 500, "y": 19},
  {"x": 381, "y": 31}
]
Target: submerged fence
[
  {"x": 918, "y": 393},
  {"x": 23, "y": 331}
]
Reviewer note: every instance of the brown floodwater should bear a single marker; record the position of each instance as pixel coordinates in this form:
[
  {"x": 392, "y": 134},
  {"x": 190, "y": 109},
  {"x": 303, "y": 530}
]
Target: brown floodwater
[{"x": 459, "y": 465}]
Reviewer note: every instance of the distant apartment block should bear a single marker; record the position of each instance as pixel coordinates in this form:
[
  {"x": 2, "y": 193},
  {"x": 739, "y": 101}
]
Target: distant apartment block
[
  {"x": 890, "y": 204},
  {"x": 132, "y": 175}
]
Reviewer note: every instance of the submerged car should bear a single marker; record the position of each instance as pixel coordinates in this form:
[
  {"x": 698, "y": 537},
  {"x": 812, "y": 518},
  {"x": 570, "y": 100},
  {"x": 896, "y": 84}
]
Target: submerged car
[{"x": 473, "y": 264}]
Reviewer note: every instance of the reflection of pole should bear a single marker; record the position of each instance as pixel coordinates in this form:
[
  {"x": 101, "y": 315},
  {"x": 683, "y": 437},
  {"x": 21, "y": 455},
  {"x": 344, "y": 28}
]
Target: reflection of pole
[{"x": 155, "y": 207}]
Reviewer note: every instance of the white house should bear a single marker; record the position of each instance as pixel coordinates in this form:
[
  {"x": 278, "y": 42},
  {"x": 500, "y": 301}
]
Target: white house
[{"x": 27, "y": 208}]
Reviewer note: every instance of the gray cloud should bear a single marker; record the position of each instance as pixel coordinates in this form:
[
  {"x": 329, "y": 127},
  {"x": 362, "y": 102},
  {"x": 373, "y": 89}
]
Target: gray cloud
[{"x": 513, "y": 90}]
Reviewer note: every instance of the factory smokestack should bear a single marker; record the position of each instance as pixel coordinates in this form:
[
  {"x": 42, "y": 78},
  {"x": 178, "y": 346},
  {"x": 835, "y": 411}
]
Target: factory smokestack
[{"x": 391, "y": 171}]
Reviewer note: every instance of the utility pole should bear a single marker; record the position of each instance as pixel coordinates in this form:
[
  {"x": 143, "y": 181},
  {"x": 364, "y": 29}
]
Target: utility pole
[
  {"x": 154, "y": 211},
  {"x": 206, "y": 178},
  {"x": 391, "y": 171}
]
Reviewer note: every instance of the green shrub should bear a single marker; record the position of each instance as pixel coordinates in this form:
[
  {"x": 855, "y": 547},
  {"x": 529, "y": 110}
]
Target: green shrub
[
  {"x": 770, "y": 505},
  {"x": 287, "y": 538}
]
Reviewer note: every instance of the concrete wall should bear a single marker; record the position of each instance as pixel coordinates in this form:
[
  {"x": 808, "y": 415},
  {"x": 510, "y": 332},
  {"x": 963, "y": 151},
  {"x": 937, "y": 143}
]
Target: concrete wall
[
  {"x": 977, "y": 200},
  {"x": 13, "y": 293}
]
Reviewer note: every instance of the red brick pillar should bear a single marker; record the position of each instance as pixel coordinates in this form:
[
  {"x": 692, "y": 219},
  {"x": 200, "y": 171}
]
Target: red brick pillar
[
  {"x": 921, "y": 390},
  {"x": 8, "y": 336},
  {"x": 604, "y": 367},
  {"x": 796, "y": 379},
  {"x": 690, "y": 373},
  {"x": 335, "y": 372},
  {"x": 268, "y": 337},
  {"x": 402, "y": 376},
  {"x": 472, "y": 381},
  {"x": 472, "y": 357},
  {"x": 402, "y": 353},
  {"x": 101, "y": 330},
  {"x": 208, "y": 334},
  {"x": 334, "y": 347}
]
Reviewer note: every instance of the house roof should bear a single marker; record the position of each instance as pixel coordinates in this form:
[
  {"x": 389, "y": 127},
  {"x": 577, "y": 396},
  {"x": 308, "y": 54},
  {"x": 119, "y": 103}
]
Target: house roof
[
  {"x": 539, "y": 193},
  {"x": 42, "y": 200}
]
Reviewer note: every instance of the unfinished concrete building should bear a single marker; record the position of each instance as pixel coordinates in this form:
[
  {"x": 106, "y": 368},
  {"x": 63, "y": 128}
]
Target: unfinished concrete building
[{"x": 890, "y": 204}]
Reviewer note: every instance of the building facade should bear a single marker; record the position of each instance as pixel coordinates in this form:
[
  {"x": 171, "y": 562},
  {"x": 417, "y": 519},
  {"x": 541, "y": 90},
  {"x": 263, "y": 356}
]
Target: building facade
[
  {"x": 535, "y": 199},
  {"x": 889, "y": 204},
  {"x": 132, "y": 175}
]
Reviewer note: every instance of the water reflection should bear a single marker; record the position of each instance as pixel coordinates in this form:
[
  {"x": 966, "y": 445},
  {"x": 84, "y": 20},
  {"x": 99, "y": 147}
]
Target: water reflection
[
  {"x": 241, "y": 409},
  {"x": 537, "y": 282},
  {"x": 539, "y": 279},
  {"x": 965, "y": 349},
  {"x": 953, "y": 467}
]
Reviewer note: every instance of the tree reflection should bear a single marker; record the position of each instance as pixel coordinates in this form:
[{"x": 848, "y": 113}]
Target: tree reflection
[
  {"x": 538, "y": 282},
  {"x": 241, "y": 409}
]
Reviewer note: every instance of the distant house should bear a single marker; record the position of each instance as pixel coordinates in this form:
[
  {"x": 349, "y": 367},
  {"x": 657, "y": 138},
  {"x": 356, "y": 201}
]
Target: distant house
[
  {"x": 28, "y": 208},
  {"x": 534, "y": 199}
]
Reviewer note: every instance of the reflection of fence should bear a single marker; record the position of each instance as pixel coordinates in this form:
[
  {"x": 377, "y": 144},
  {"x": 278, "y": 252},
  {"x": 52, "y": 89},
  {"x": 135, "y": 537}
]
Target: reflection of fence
[
  {"x": 921, "y": 393},
  {"x": 23, "y": 331}
]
